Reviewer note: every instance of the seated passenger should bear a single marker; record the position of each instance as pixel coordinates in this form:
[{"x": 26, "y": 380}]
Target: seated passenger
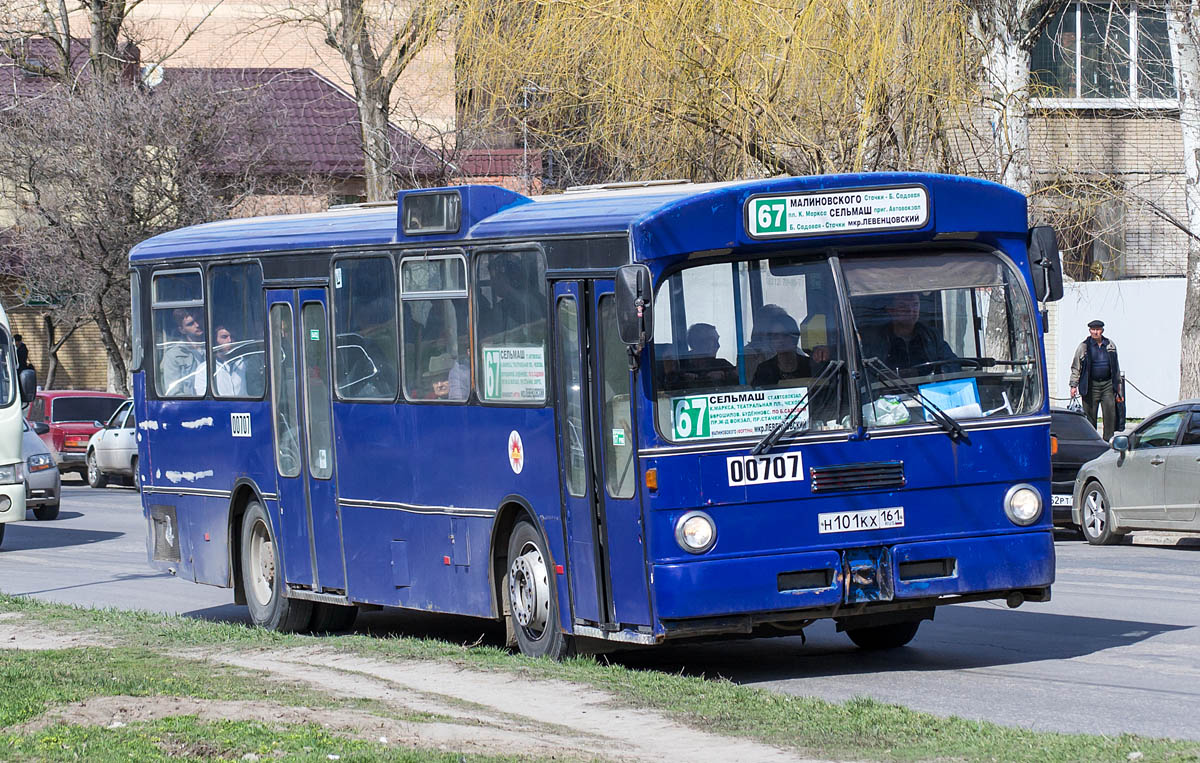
[
  {"x": 446, "y": 379},
  {"x": 903, "y": 341},
  {"x": 701, "y": 367},
  {"x": 789, "y": 361}
]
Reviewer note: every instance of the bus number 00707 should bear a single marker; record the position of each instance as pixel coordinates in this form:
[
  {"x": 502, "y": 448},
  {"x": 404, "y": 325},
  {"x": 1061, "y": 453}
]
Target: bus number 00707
[{"x": 760, "y": 470}]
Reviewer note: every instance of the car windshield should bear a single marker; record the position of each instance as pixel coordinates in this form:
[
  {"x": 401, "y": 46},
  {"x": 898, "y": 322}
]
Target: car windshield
[
  {"x": 71, "y": 409},
  {"x": 740, "y": 344},
  {"x": 951, "y": 331}
]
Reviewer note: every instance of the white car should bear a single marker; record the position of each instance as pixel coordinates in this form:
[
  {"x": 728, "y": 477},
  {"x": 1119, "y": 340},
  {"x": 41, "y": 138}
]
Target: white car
[
  {"x": 43, "y": 482},
  {"x": 112, "y": 450}
]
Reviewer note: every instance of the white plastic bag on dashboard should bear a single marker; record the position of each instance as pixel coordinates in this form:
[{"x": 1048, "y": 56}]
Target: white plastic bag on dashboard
[{"x": 886, "y": 411}]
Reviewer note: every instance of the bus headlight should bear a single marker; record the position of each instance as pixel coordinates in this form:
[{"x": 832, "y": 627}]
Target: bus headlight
[
  {"x": 1023, "y": 504},
  {"x": 695, "y": 532},
  {"x": 11, "y": 474}
]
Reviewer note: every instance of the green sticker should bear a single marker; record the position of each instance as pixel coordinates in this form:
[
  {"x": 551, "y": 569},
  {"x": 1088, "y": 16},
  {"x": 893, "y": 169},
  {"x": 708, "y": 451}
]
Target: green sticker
[
  {"x": 618, "y": 437},
  {"x": 314, "y": 335}
]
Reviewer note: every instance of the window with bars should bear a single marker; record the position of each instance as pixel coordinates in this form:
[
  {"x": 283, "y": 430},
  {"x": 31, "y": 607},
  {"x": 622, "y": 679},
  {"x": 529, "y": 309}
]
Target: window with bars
[{"x": 1105, "y": 51}]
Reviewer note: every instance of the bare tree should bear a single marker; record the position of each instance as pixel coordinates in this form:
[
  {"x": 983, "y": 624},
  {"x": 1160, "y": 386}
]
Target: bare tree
[
  {"x": 1183, "y": 23},
  {"x": 378, "y": 42},
  {"x": 100, "y": 167},
  {"x": 712, "y": 90}
]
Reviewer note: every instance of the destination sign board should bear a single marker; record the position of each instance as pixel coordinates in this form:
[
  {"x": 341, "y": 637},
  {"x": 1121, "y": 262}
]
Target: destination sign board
[{"x": 833, "y": 212}]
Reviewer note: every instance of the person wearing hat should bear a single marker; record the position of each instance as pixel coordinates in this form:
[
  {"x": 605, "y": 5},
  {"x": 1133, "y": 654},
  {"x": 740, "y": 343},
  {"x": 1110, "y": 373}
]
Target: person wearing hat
[{"x": 1095, "y": 372}]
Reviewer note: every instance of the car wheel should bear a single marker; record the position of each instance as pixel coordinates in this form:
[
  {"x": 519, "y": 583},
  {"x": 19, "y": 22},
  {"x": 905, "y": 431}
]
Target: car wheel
[
  {"x": 262, "y": 577},
  {"x": 533, "y": 596},
  {"x": 95, "y": 477},
  {"x": 46, "y": 513},
  {"x": 2, "y": 526},
  {"x": 1096, "y": 514},
  {"x": 891, "y": 636},
  {"x": 136, "y": 479}
]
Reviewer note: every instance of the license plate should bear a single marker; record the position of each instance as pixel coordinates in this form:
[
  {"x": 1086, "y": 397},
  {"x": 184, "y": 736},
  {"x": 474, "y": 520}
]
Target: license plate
[
  {"x": 1061, "y": 500},
  {"x": 853, "y": 521},
  {"x": 761, "y": 470}
]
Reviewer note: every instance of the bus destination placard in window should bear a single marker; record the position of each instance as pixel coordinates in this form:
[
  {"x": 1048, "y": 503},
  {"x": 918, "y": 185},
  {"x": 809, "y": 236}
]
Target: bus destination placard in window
[
  {"x": 812, "y": 214},
  {"x": 514, "y": 373},
  {"x": 733, "y": 414}
]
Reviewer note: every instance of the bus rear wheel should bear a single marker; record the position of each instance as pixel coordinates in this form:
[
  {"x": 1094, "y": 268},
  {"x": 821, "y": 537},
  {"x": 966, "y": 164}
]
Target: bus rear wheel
[
  {"x": 533, "y": 596},
  {"x": 262, "y": 577},
  {"x": 890, "y": 636},
  {"x": 332, "y": 618}
]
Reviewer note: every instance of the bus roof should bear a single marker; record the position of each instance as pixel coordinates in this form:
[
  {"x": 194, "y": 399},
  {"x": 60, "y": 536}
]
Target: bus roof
[{"x": 664, "y": 219}]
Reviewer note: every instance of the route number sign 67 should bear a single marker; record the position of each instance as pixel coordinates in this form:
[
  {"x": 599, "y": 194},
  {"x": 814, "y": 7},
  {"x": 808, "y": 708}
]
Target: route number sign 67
[{"x": 768, "y": 216}]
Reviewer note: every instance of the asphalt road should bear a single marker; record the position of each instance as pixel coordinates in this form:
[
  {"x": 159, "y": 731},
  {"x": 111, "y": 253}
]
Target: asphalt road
[{"x": 1117, "y": 650}]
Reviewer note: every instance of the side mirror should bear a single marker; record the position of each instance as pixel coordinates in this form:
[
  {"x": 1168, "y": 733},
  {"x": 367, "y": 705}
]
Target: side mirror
[
  {"x": 27, "y": 381},
  {"x": 1045, "y": 264},
  {"x": 40, "y": 427},
  {"x": 99, "y": 424},
  {"x": 1120, "y": 443},
  {"x": 635, "y": 306}
]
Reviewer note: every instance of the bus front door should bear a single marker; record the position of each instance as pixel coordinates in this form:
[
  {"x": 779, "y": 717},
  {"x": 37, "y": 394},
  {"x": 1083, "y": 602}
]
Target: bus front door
[
  {"x": 301, "y": 407},
  {"x": 606, "y": 558}
]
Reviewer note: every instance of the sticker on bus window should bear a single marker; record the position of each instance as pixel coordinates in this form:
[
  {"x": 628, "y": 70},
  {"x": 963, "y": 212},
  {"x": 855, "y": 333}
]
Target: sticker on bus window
[
  {"x": 734, "y": 414},
  {"x": 514, "y": 373},
  {"x": 825, "y": 212}
]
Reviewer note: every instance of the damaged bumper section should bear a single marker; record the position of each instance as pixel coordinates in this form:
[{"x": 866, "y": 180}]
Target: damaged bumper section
[{"x": 825, "y": 583}]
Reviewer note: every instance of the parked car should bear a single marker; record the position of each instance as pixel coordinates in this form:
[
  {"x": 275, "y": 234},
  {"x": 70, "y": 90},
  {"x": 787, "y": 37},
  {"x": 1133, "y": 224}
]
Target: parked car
[
  {"x": 72, "y": 417},
  {"x": 112, "y": 450},
  {"x": 1076, "y": 442},
  {"x": 1149, "y": 480},
  {"x": 43, "y": 483}
]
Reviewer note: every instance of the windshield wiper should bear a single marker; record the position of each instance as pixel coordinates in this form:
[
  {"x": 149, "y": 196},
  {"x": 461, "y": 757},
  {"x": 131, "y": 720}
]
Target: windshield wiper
[
  {"x": 768, "y": 441},
  {"x": 893, "y": 381}
]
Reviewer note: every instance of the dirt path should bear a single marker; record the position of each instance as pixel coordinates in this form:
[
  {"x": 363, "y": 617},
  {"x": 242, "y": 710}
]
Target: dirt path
[{"x": 468, "y": 710}]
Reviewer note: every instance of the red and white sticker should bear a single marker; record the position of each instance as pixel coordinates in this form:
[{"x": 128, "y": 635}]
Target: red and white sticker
[{"x": 516, "y": 452}]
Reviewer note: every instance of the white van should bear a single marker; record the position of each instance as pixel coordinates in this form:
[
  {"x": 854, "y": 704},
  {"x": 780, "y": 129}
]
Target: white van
[{"x": 12, "y": 465}]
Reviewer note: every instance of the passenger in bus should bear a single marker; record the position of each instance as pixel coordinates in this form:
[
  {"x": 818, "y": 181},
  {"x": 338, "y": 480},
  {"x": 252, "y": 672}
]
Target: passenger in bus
[
  {"x": 903, "y": 341},
  {"x": 445, "y": 379},
  {"x": 789, "y": 361},
  {"x": 182, "y": 363},
  {"x": 701, "y": 367},
  {"x": 229, "y": 371}
]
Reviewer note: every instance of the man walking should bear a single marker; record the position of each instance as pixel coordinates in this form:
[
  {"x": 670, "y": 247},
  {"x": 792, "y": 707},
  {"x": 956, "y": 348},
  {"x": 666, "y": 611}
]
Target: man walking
[{"x": 1094, "y": 374}]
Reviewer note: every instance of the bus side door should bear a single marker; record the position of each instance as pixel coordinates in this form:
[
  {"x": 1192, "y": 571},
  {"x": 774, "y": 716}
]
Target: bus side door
[
  {"x": 301, "y": 405},
  {"x": 606, "y": 566}
]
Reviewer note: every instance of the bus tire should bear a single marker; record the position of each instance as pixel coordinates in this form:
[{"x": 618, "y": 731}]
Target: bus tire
[
  {"x": 2, "y": 526},
  {"x": 533, "y": 596},
  {"x": 332, "y": 618},
  {"x": 890, "y": 636},
  {"x": 262, "y": 576}
]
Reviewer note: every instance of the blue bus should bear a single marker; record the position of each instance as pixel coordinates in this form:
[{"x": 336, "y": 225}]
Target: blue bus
[{"x": 621, "y": 414}]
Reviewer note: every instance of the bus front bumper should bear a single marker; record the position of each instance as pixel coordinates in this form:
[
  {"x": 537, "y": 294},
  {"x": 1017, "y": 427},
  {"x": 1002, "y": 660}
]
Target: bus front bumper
[{"x": 823, "y": 579}]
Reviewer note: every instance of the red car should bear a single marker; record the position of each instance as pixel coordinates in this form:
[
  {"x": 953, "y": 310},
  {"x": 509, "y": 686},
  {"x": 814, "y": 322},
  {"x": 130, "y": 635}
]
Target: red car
[{"x": 69, "y": 417}]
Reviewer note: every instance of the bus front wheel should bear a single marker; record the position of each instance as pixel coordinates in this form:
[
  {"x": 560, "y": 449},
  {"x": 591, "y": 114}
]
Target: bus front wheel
[
  {"x": 262, "y": 576},
  {"x": 533, "y": 596},
  {"x": 890, "y": 636}
]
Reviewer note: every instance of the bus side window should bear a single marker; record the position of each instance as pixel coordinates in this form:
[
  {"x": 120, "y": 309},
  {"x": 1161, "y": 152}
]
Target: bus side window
[
  {"x": 510, "y": 326},
  {"x": 177, "y": 298},
  {"x": 364, "y": 319},
  {"x": 437, "y": 345},
  {"x": 237, "y": 342}
]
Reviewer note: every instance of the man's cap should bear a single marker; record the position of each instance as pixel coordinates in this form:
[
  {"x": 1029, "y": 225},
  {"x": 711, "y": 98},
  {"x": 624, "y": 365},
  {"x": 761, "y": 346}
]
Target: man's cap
[{"x": 1096, "y": 324}]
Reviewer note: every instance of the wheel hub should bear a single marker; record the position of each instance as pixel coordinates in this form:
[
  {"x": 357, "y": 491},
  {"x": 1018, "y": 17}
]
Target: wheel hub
[
  {"x": 529, "y": 590},
  {"x": 1095, "y": 514}
]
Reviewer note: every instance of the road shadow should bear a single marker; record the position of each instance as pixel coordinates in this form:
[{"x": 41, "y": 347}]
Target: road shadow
[
  {"x": 29, "y": 516},
  {"x": 960, "y": 638},
  {"x": 22, "y": 536}
]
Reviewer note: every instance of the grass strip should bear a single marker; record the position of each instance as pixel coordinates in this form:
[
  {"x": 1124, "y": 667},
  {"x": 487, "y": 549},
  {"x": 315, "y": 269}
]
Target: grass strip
[
  {"x": 861, "y": 729},
  {"x": 187, "y": 738}
]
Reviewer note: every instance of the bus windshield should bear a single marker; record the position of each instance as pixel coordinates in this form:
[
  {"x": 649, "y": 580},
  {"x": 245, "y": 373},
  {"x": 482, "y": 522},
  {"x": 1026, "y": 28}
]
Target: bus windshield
[
  {"x": 952, "y": 332},
  {"x": 738, "y": 345}
]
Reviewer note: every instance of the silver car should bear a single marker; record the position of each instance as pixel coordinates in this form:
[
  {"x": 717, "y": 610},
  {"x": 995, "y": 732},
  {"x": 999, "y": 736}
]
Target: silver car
[
  {"x": 112, "y": 450},
  {"x": 43, "y": 483},
  {"x": 1149, "y": 480}
]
